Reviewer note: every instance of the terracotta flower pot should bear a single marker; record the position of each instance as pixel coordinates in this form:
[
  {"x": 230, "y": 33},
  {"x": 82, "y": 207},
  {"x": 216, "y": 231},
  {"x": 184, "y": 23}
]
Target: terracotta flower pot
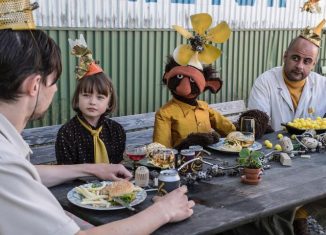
[{"x": 251, "y": 176}]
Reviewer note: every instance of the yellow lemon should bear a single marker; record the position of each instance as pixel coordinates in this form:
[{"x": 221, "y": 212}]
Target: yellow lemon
[
  {"x": 279, "y": 136},
  {"x": 278, "y": 147},
  {"x": 269, "y": 145},
  {"x": 266, "y": 142}
]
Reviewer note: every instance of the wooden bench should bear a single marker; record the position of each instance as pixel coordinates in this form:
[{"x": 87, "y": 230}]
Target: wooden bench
[{"x": 138, "y": 127}]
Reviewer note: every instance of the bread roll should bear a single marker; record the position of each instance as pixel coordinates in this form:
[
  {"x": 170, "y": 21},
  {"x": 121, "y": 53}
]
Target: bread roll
[{"x": 118, "y": 188}]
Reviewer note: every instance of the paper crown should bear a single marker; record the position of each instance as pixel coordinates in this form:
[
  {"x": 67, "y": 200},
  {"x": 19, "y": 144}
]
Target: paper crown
[
  {"x": 86, "y": 65},
  {"x": 313, "y": 34},
  {"x": 17, "y": 14},
  {"x": 199, "y": 50}
]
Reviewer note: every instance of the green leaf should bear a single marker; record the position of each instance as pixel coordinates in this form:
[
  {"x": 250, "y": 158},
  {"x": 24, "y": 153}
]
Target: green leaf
[
  {"x": 244, "y": 153},
  {"x": 256, "y": 154},
  {"x": 96, "y": 185}
]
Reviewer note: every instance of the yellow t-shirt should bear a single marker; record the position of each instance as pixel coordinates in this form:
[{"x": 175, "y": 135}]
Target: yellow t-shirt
[{"x": 176, "y": 120}]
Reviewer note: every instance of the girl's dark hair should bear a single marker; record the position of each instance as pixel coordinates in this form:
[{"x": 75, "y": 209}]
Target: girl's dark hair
[
  {"x": 23, "y": 53},
  {"x": 102, "y": 84}
]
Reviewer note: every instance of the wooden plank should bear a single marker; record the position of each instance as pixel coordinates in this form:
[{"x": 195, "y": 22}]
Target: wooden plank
[
  {"x": 136, "y": 121},
  {"x": 140, "y": 137},
  {"x": 131, "y": 123},
  {"x": 231, "y": 107},
  {"x": 41, "y": 135},
  {"x": 43, "y": 155}
]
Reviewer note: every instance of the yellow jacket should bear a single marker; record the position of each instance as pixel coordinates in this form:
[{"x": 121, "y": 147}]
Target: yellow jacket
[{"x": 176, "y": 120}]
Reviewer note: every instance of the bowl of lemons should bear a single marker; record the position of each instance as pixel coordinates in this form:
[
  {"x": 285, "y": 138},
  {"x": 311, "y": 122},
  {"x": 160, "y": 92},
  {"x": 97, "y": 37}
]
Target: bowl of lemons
[{"x": 300, "y": 125}]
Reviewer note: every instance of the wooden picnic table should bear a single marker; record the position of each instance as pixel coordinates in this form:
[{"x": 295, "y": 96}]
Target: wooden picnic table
[{"x": 224, "y": 202}]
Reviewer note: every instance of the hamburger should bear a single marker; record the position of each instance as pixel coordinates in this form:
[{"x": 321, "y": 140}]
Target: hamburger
[
  {"x": 123, "y": 189},
  {"x": 233, "y": 142},
  {"x": 235, "y": 136}
]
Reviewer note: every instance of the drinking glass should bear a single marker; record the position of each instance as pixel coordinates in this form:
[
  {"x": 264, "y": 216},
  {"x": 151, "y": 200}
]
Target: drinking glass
[
  {"x": 136, "y": 152},
  {"x": 248, "y": 130}
]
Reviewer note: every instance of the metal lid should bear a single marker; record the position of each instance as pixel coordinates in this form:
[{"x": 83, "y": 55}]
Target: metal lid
[
  {"x": 170, "y": 175},
  {"x": 196, "y": 147},
  {"x": 187, "y": 152}
]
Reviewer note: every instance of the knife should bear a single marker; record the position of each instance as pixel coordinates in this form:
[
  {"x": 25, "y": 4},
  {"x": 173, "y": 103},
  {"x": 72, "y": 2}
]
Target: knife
[{"x": 123, "y": 203}]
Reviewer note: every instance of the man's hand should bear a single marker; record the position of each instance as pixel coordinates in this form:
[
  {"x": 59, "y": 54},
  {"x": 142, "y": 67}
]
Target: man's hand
[
  {"x": 111, "y": 172},
  {"x": 175, "y": 205}
]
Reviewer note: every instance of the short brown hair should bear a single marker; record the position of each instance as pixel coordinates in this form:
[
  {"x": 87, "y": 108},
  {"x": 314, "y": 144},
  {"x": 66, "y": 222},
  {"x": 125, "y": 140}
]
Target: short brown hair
[
  {"x": 102, "y": 84},
  {"x": 26, "y": 52}
]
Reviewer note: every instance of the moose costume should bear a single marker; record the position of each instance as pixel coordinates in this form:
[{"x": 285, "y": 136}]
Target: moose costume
[{"x": 184, "y": 120}]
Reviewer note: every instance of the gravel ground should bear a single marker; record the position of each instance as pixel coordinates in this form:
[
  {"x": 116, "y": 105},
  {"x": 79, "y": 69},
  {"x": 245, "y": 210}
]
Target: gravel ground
[{"x": 314, "y": 228}]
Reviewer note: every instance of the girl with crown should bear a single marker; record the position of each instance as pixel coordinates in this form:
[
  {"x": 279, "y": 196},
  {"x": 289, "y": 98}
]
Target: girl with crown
[{"x": 90, "y": 137}]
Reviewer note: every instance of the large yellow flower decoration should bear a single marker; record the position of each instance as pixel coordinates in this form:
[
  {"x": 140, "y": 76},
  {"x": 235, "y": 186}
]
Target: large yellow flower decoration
[{"x": 199, "y": 41}]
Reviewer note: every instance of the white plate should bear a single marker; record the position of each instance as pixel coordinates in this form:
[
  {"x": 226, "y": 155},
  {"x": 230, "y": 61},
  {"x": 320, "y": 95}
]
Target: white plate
[
  {"x": 75, "y": 198},
  {"x": 219, "y": 146}
]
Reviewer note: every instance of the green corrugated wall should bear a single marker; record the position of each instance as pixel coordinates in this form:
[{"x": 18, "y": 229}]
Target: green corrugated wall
[{"x": 135, "y": 61}]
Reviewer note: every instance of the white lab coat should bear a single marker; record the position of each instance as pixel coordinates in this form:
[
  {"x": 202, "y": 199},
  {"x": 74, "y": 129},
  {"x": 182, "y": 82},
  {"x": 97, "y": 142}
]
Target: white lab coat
[{"x": 270, "y": 94}]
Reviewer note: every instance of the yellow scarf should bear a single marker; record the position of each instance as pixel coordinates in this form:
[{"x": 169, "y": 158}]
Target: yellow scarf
[
  {"x": 295, "y": 89},
  {"x": 100, "y": 153}
]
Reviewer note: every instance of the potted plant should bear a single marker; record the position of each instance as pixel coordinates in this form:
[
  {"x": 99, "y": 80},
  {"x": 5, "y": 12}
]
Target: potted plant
[{"x": 251, "y": 163}]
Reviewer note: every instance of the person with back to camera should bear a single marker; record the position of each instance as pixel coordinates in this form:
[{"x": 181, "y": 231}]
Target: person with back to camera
[
  {"x": 30, "y": 65},
  {"x": 90, "y": 137}
]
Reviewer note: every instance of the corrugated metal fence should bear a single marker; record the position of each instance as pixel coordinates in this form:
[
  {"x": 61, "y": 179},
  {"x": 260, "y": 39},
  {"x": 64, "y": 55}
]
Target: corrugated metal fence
[
  {"x": 135, "y": 61},
  {"x": 161, "y": 14}
]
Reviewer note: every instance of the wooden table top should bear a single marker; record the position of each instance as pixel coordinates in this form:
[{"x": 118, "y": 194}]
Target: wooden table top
[{"x": 224, "y": 202}]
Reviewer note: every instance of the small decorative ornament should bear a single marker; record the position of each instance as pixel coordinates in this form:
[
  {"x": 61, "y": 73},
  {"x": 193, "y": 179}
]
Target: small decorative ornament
[
  {"x": 310, "y": 133},
  {"x": 322, "y": 139},
  {"x": 142, "y": 176},
  {"x": 202, "y": 175},
  {"x": 215, "y": 171},
  {"x": 233, "y": 172},
  {"x": 86, "y": 65},
  {"x": 286, "y": 144},
  {"x": 189, "y": 179},
  {"x": 310, "y": 143},
  {"x": 311, "y": 110},
  {"x": 267, "y": 166},
  {"x": 311, "y": 6}
]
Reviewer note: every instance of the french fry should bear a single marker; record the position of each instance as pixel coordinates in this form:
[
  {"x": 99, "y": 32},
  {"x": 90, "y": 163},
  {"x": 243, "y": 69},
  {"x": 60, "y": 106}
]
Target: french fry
[
  {"x": 92, "y": 197},
  {"x": 96, "y": 189},
  {"x": 84, "y": 192},
  {"x": 96, "y": 202}
]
